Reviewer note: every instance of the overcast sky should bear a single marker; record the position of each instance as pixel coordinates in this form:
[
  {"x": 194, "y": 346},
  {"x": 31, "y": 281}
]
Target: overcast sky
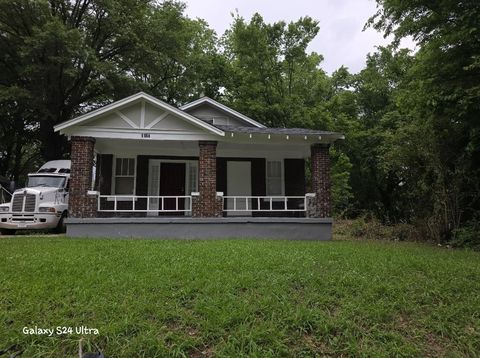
[{"x": 340, "y": 40}]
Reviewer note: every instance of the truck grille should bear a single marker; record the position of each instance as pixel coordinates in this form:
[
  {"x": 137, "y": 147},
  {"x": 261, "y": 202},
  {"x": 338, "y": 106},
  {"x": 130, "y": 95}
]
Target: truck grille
[
  {"x": 24, "y": 202},
  {"x": 29, "y": 203},
  {"x": 17, "y": 204}
]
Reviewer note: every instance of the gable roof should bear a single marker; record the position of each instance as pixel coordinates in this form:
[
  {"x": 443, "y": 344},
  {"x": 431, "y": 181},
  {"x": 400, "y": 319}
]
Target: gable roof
[
  {"x": 150, "y": 99},
  {"x": 229, "y": 110}
]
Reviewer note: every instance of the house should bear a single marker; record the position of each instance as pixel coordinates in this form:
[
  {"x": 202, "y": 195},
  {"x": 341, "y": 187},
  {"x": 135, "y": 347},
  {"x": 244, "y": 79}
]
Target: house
[{"x": 141, "y": 167}]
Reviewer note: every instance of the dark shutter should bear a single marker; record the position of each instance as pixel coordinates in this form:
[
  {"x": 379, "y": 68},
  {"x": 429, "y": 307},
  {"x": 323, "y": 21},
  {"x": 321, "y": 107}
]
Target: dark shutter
[
  {"x": 142, "y": 175},
  {"x": 142, "y": 181},
  {"x": 222, "y": 175},
  {"x": 294, "y": 177},
  {"x": 259, "y": 185},
  {"x": 104, "y": 170},
  {"x": 294, "y": 183}
]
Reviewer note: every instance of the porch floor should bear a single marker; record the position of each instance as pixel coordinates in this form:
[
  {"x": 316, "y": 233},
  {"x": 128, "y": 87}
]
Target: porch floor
[{"x": 202, "y": 228}]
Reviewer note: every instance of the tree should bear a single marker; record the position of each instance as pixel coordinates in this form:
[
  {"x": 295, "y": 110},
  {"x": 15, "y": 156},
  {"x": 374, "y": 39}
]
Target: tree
[
  {"x": 376, "y": 186},
  {"x": 441, "y": 102},
  {"x": 177, "y": 58},
  {"x": 17, "y": 150},
  {"x": 60, "y": 58},
  {"x": 273, "y": 79}
]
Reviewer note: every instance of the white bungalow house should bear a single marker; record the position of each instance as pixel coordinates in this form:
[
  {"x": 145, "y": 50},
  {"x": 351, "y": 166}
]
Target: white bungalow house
[{"x": 141, "y": 167}]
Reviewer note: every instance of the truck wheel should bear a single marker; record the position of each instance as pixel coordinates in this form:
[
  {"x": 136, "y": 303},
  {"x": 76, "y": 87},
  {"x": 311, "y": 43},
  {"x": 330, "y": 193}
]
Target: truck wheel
[
  {"x": 61, "y": 228},
  {"x": 8, "y": 231}
]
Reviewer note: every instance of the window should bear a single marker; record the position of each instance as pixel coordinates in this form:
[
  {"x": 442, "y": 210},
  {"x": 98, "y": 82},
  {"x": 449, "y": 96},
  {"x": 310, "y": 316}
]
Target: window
[
  {"x": 124, "y": 176},
  {"x": 47, "y": 181},
  {"x": 274, "y": 178}
]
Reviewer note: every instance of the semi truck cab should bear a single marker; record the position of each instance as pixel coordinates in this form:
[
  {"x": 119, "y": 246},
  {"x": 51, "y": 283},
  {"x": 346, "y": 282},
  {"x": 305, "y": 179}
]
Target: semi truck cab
[{"x": 42, "y": 204}]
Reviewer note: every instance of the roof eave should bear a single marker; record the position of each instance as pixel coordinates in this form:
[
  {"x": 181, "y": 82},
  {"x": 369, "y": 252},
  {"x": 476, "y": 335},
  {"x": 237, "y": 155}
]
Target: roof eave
[{"x": 294, "y": 138}]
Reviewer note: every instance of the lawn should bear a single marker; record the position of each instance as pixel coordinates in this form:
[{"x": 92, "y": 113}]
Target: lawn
[{"x": 150, "y": 298}]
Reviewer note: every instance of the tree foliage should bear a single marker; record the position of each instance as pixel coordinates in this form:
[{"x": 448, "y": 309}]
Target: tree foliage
[
  {"x": 275, "y": 80},
  {"x": 437, "y": 146},
  {"x": 60, "y": 58}
]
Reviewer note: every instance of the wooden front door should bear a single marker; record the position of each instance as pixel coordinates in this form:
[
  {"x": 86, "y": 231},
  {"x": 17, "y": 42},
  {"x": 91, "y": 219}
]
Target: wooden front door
[{"x": 172, "y": 183}]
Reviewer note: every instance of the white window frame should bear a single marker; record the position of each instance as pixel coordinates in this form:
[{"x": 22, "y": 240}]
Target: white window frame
[
  {"x": 282, "y": 176},
  {"x": 114, "y": 176}
]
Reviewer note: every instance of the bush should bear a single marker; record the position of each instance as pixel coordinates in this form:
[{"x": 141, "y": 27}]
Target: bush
[
  {"x": 404, "y": 232},
  {"x": 371, "y": 228},
  {"x": 468, "y": 235}
]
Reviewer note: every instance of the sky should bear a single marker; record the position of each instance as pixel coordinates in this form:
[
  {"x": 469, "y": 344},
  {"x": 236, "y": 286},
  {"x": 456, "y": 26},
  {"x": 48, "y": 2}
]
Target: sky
[{"x": 341, "y": 40}]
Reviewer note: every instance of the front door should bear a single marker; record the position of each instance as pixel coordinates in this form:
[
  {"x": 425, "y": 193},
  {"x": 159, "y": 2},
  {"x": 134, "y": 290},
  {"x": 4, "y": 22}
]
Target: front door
[
  {"x": 239, "y": 183},
  {"x": 172, "y": 183}
]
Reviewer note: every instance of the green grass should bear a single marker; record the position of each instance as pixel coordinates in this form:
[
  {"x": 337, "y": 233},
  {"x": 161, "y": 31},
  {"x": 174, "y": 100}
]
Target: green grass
[{"x": 153, "y": 298}]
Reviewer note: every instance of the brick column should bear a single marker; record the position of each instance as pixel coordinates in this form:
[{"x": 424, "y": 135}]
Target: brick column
[
  {"x": 320, "y": 160},
  {"x": 80, "y": 204},
  {"x": 207, "y": 204}
]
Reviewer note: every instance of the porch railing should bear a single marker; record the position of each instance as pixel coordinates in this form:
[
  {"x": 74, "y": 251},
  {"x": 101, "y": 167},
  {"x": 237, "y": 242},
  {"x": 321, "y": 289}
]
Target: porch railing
[
  {"x": 144, "y": 203},
  {"x": 5, "y": 195},
  {"x": 183, "y": 203},
  {"x": 265, "y": 203}
]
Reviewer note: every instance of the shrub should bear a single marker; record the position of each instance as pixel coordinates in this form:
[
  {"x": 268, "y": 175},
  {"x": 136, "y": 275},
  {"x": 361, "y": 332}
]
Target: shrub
[
  {"x": 404, "y": 232},
  {"x": 468, "y": 235},
  {"x": 366, "y": 227}
]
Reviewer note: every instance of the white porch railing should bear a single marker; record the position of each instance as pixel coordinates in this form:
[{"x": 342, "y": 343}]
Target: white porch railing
[
  {"x": 183, "y": 203},
  {"x": 265, "y": 203},
  {"x": 144, "y": 204},
  {"x": 5, "y": 195}
]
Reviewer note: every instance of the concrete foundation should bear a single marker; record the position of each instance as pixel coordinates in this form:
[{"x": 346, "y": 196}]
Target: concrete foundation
[{"x": 202, "y": 228}]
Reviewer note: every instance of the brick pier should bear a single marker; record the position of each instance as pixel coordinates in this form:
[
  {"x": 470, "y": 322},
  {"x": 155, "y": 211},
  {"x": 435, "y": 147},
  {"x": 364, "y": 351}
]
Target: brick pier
[
  {"x": 207, "y": 204},
  {"x": 320, "y": 160},
  {"x": 81, "y": 205}
]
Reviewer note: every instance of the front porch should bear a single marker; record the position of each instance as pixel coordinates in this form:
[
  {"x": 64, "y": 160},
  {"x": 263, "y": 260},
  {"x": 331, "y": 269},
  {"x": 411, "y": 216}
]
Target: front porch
[
  {"x": 145, "y": 169},
  {"x": 260, "y": 195}
]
